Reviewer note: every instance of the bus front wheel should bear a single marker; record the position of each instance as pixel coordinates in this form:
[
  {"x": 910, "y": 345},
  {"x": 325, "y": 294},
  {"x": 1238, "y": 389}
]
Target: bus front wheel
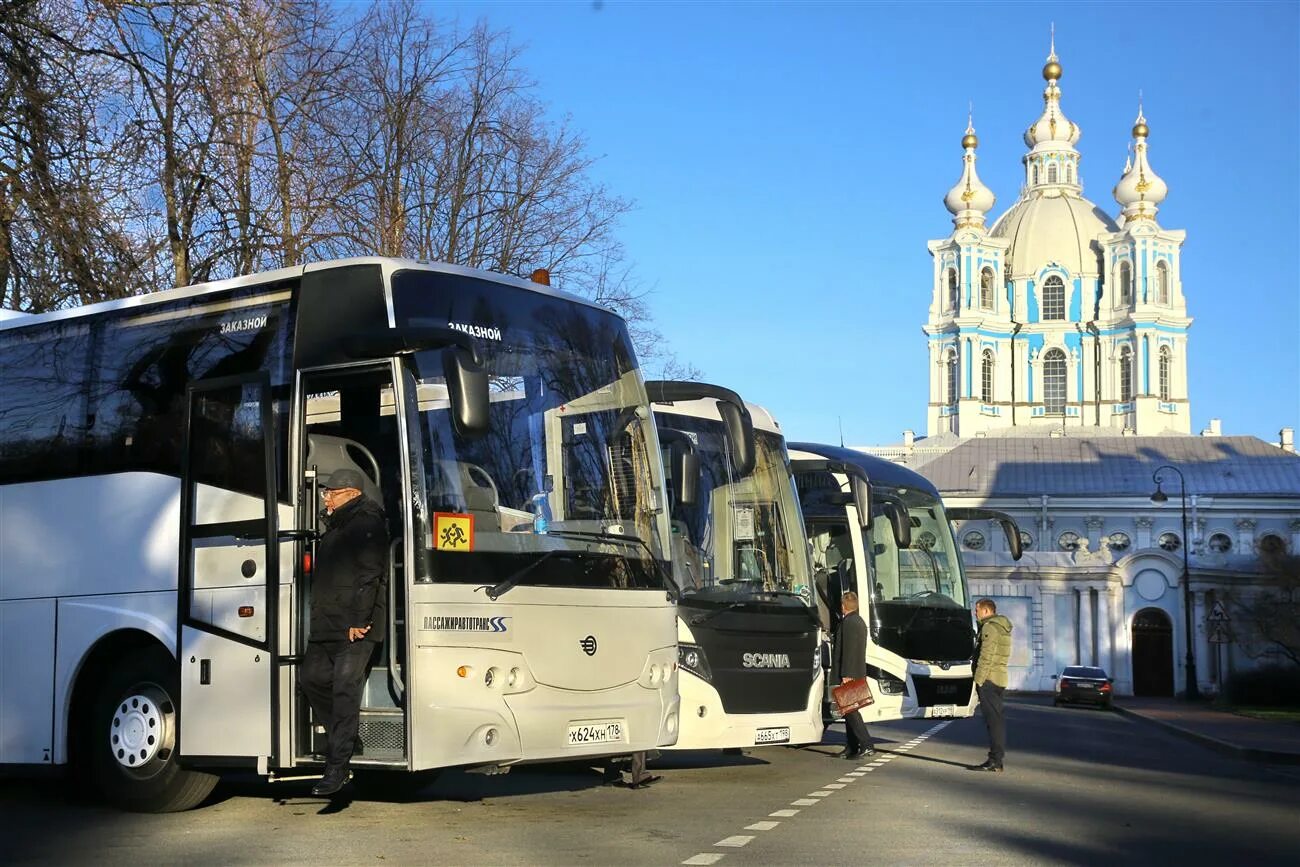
[{"x": 132, "y": 738}]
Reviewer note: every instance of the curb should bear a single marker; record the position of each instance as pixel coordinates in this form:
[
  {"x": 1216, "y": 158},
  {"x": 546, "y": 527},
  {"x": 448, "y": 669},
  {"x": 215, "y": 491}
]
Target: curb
[{"x": 1280, "y": 757}]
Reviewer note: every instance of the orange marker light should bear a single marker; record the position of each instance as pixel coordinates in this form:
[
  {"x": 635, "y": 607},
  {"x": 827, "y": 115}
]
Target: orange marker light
[
  {"x": 245, "y": 611},
  {"x": 306, "y": 564},
  {"x": 463, "y": 671}
]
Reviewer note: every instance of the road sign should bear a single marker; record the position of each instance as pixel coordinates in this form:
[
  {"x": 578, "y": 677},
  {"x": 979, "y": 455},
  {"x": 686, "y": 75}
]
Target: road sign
[
  {"x": 1219, "y": 634},
  {"x": 1218, "y": 614}
]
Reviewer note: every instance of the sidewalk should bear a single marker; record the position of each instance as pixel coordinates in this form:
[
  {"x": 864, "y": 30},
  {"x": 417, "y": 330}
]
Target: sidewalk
[{"x": 1247, "y": 738}]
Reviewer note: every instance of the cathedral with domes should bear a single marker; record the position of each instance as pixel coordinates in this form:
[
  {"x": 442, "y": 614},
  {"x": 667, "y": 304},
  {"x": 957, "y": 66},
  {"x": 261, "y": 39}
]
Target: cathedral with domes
[
  {"x": 1058, "y": 315},
  {"x": 1057, "y": 358}
]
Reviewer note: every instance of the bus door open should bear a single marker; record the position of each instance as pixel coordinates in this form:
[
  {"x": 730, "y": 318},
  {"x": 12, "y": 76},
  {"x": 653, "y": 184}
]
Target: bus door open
[
  {"x": 349, "y": 422},
  {"x": 230, "y": 570}
]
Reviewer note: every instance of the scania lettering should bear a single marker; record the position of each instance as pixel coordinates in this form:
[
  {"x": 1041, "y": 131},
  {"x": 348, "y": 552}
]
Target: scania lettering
[
  {"x": 749, "y": 634},
  {"x": 905, "y": 566},
  {"x": 161, "y": 457}
]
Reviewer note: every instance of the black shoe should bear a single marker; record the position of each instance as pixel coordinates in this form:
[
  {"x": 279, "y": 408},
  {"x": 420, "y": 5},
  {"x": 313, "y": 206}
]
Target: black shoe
[
  {"x": 988, "y": 765},
  {"x": 845, "y": 753},
  {"x": 332, "y": 783},
  {"x": 644, "y": 781}
]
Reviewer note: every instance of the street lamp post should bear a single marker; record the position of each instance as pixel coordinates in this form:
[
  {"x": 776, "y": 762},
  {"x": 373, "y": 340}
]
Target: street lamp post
[{"x": 1159, "y": 497}]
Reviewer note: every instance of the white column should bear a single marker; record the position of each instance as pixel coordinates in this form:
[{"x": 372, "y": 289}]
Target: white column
[
  {"x": 1105, "y": 625},
  {"x": 1085, "y": 627}
]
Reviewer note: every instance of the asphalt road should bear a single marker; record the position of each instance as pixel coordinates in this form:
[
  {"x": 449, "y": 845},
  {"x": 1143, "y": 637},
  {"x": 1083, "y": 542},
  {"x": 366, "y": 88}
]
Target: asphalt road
[{"x": 1081, "y": 787}]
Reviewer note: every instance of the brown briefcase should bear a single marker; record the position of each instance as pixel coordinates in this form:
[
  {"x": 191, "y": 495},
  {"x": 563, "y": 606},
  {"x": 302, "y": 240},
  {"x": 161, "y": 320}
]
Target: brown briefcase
[{"x": 851, "y": 696}]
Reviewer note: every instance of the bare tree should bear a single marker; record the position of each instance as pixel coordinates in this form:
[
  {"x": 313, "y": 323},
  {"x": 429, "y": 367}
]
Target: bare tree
[
  {"x": 153, "y": 143},
  {"x": 1267, "y": 623}
]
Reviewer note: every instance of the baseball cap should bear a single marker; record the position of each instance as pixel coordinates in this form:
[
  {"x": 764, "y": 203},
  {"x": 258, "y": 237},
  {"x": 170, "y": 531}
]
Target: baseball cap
[{"x": 344, "y": 478}]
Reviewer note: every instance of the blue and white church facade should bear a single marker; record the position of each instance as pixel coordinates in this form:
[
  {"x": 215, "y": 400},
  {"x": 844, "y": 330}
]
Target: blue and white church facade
[
  {"x": 1057, "y": 356},
  {"x": 1058, "y": 315}
]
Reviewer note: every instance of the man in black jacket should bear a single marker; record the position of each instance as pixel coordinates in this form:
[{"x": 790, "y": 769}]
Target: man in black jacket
[
  {"x": 348, "y": 617},
  {"x": 851, "y": 664}
]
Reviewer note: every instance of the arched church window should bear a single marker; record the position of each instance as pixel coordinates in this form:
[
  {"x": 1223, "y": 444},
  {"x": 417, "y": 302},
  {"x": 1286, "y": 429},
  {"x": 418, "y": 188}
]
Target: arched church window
[
  {"x": 954, "y": 295},
  {"x": 1051, "y": 173},
  {"x": 1125, "y": 374},
  {"x": 1162, "y": 282},
  {"x": 986, "y": 288},
  {"x": 986, "y": 376},
  {"x": 1054, "y": 298},
  {"x": 1054, "y": 381},
  {"x": 1035, "y": 173},
  {"x": 1069, "y": 173},
  {"x": 952, "y": 377},
  {"x": 1165, "y": 363},
  {"x": 1125, "y": 283}
]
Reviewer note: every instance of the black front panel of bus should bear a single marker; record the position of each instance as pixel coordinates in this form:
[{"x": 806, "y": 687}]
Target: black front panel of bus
[
  {"x": 765, "y": 638},
  {"x": 930, "y": 633}
]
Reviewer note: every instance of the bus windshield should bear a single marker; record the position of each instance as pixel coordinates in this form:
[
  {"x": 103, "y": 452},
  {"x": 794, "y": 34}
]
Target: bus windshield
[
  {"x": 562, "y": 490},
  {"x": 929, "y": 572},
  {"x": 743, "y": 538}
]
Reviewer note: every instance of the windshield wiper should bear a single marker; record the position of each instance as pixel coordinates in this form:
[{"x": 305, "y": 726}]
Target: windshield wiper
[
  {"x": 669, "y": 585},
  {"x": 497, "y": 590},
  {"x": 706, "y": 617}
]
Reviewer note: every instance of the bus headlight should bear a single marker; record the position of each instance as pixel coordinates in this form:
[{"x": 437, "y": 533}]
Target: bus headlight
[{"x": 691, "y": 657}]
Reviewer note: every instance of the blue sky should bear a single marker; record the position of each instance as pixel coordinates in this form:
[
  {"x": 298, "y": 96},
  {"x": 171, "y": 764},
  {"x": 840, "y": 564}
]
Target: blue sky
[{"x": 788, "y": 164}]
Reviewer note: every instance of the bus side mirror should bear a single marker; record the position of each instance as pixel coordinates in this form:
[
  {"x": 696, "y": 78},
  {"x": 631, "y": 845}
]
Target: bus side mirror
[
  {"x": 901, "y": 523},
  {"x": 1012, "y": 533},
  {"x": 862, "y": 500},
  {"x": 467, "y": 387},
  {"x": 740, "y": 434},
  {"x": 686, "y": 472}
]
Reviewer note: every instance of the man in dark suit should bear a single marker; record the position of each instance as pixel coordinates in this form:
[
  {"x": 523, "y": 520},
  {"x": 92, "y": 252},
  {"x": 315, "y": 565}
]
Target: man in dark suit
[
  {"x": 348, "y": 617},
  {"x": 851, "y": 664}
]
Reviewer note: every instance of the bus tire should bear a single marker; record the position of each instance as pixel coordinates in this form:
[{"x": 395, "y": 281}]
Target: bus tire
[{"x": 131, "y": 738}]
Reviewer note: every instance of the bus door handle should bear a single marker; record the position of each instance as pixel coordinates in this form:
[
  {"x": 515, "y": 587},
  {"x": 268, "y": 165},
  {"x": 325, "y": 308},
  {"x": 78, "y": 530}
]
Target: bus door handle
[{"x": 394, "y": 669}]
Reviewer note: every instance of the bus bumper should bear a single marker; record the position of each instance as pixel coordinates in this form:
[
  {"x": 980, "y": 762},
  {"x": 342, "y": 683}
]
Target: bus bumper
[{"x": 706, "y": 726}]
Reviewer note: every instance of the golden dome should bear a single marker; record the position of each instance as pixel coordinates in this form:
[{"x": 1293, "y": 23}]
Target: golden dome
[
  {"x": 970, "y": 141},
  {"x": 1140, "y": 129},
  {"x": 1052, "y": 71}
]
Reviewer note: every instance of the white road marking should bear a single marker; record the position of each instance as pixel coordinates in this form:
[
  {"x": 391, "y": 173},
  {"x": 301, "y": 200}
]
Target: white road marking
[
  {"x": 735, "y": 842},
  {"x": 740, "y": 840}
]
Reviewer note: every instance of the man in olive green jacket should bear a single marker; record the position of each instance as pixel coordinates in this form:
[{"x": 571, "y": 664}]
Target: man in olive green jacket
[{"x": 992, "y": 652}]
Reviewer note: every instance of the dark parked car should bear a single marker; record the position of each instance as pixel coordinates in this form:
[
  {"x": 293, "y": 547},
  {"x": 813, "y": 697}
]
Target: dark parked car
[{"x": 1083, "y": 683}]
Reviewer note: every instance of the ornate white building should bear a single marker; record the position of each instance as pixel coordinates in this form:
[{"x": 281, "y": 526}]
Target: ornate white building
[
  {"x": 1058, "y": 315},
  {"x": 1058, "y": 394}
]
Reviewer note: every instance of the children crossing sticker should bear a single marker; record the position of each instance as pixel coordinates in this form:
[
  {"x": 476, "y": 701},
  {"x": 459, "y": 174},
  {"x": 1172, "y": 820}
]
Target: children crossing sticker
[{"x": 453, "y": 531}]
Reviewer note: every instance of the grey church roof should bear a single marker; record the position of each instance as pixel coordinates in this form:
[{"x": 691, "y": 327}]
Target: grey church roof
[{"x": 1114, "y": 466}]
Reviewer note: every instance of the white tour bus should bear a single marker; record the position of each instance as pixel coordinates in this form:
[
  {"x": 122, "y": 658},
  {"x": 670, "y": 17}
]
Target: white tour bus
[
  {"x": 905, "y": 566},
  {"x": 160, "y": 459},
  {"x": 748, "y": 631}
]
